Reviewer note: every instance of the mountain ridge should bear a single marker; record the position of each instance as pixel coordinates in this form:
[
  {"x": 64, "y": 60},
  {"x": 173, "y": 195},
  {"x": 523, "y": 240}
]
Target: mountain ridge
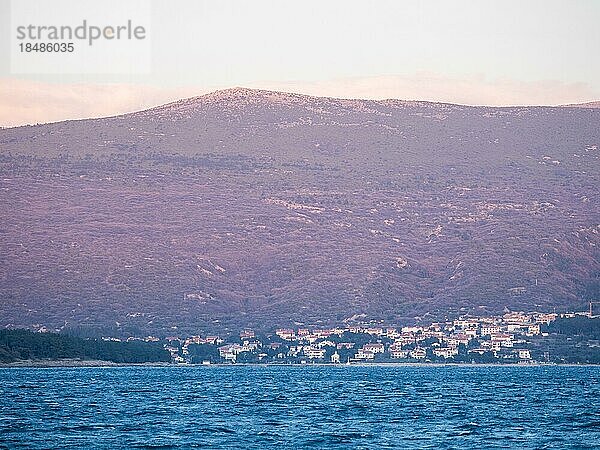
[
  {"x": 240, "y": 92},
  {"x": 232, "y": 212}
]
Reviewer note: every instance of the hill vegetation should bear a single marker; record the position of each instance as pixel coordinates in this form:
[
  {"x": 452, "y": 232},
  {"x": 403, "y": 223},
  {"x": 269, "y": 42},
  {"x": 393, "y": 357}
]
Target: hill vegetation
[
  {"x": 21, "y": 344},
  {"x": 259, "y": 209}
]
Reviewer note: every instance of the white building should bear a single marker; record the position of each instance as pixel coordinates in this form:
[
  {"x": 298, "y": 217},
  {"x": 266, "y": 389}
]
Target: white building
[
  {"x": 314, "y": 353},
  {"x": 398, "y": 353},
  {"x": 418, "y": 353},
  {"x": 373, "y": 348},
  {"x": 445, "y": 352},
  {"x": 365, "y": 355}
]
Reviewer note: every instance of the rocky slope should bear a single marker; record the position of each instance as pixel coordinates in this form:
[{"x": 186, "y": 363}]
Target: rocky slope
[{"x": 256, "y": 208}]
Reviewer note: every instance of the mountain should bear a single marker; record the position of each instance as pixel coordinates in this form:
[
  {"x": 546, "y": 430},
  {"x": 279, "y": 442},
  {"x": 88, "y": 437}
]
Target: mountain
[
  {"x": 584, "y": 105},
  {"x": 263, "y": 209}
]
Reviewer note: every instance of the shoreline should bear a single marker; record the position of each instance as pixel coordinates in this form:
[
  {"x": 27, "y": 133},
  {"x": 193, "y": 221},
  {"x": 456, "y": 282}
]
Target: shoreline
[{"x": 74, "y": 363}]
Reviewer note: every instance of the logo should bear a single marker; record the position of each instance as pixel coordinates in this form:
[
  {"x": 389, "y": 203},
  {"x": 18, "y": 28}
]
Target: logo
[{"x": 83, "y": 37}]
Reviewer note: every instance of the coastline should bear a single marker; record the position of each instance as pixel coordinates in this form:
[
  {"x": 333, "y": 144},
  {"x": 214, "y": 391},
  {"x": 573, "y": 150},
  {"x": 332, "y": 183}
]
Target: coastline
[
  {"x": 58, "y": 363},
  {"x": 75, "y": 363}
]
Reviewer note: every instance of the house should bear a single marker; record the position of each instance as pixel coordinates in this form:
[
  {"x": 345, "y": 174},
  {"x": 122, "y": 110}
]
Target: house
[
  {"x": 488, "y": 329},
  {"x": 435, "y": 334},
  {"x": 195, "y": 340},
  {"x": 213, "y": 340},
  {"x": 229, "y": 352},
  {"x": 376, "y": 331},
  {"x": 405, "y": 338},
  {"x": 313, "y": 352},
  {"x": 335, "y": 358},
  {"x": 398, "y": 353},
  {"x": 515, "y": 328},
  {"x": 445, "y": 352},
  {"x": 286, "y": 334},
  {"x": 466, "y": 324},
  {"x": 345, "y": 345},
  {"x": 412, "y": 330},
  {"x": 310, "y": 338},
  {"x": 471, "y": 332},
  {"x": 322, "y": 333},
  {"x": 246, "y": 334},
  {"x": 545, "y": 318},
  {"x": 363, "y": 354},
  {"x": 248, "y": 346},
  {"x": 303, "y": 332},
  {"x": 437, "y": 326},
  {"x": 505, "y": 340},
  {"x": 524, "y": 354},
  {"x": 295, "y": 350},
  {"x": 392, "y": 333},
  {"x": 479, "y": 351},
  {"x": 373, "y": 348},
  {"x": 418, "y": 353},
  {"x": 456, "y": 339},
  {"x": 515, "y": 318}
]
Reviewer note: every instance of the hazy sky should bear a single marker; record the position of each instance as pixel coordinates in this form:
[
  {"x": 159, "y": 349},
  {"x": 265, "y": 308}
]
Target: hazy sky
[{"x": 467, "y": 51}]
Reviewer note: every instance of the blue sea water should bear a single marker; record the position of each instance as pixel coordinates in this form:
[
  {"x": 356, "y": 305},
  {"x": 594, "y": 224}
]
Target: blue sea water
[{"x": 327, "y": 407}]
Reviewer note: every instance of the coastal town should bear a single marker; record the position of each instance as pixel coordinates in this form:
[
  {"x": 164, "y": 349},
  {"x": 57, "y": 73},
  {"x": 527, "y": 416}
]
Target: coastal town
[{"x": 515, "y": 337}]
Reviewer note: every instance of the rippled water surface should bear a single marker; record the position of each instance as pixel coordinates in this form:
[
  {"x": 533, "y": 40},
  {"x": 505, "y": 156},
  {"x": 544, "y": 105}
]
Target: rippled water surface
[{"x": 300, "y": 407}]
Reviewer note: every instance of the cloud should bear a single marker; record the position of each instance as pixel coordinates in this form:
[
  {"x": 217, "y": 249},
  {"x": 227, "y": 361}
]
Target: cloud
[{"x": 28, "y": 102}]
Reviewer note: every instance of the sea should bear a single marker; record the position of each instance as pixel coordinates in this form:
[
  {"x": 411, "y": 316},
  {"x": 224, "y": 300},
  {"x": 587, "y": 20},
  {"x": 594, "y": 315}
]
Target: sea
[{"x": 298, "y": 407}]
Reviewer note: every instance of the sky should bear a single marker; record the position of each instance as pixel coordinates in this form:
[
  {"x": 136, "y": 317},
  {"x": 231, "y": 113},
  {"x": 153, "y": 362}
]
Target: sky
[{"x": 490, "y": 52}]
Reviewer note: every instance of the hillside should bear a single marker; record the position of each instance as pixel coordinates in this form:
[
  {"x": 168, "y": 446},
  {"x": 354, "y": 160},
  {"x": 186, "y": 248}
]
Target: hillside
[
  {"x": 584, "y": 105},
  {"x": 256, "y": 208},
  {"x": 23, "y": 345}
]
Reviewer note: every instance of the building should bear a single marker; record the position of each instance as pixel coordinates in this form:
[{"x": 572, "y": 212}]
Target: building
[
  {"x": 545, "y": 318},
  {"x": 479, "y": 351},
  {"x": 445, "y": 352},
  {"x": 392, "y": 333},
  {"x": 412, "y": 330},
  {"x": 374, "y": 348},
  {"x": 466, "y": 324},
  {"x": 457, "y": 339},
  {"x": 398, "y": 353},
  {"x": 505, "y": 340},
  {"x": 229, "y": 352},
  {"x": 487, "y": 330},
  {"x": 313, "y": 352},
  {"x": 364, "y": 355},
  {"x": 406, "y": 338},
  {"x": 376, "y": 331},
  {"x": 345, "y": 345},
  {"x": 516, "y": 318},
  {"x": 418, "y": 353},
  {"x": 515, "y": 328},
  {"x": 246, "y": 334},
  {"x": 303, "y": 332},
  {"x": 285, "y": 334}
]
